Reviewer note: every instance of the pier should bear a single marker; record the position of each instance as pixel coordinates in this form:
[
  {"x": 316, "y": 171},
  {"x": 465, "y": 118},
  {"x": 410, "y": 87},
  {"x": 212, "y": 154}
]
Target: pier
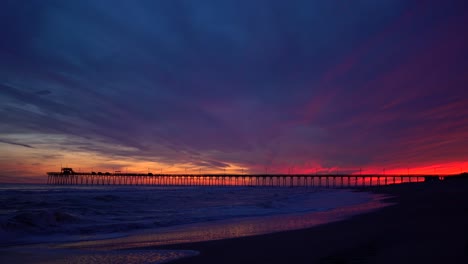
[{"x": 69, "y": 177}]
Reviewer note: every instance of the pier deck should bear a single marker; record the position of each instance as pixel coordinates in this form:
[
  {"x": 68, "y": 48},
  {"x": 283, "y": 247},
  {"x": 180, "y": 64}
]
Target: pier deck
[{"x": 305, "y": 180}]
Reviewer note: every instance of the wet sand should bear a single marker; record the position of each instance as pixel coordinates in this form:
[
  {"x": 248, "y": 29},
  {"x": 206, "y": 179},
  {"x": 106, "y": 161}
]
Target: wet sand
[{"x": 427, "y": 224}]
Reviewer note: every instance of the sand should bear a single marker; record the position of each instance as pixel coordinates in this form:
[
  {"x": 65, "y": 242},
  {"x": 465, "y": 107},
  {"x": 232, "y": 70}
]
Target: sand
[{"x": 427, "y": 224}]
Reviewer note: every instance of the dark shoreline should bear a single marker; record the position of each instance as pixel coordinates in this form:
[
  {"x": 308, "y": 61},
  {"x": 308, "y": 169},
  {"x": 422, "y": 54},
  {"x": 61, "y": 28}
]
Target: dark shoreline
[{"x": 427, "y": 224}]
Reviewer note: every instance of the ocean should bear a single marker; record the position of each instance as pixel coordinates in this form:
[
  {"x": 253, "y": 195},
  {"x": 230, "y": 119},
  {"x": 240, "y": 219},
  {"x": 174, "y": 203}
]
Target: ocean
[{"x": 91, "y": 224}]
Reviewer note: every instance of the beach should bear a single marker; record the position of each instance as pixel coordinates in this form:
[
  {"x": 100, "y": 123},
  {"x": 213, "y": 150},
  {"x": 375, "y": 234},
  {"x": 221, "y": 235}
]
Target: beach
[
  {"x": 233, "y": 131},
  {"x": 92, "y": 224},
  {"x": 421, "y": 222},
  {"x": 426, "y": 224}
]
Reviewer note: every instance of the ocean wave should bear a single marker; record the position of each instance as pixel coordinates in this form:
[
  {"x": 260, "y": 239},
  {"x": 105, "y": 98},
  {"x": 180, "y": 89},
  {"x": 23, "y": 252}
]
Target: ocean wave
[
  {"x": 38, "y": 221},
  {"x": 106, "y": 198},
  {"x": 93, "y": 211}
]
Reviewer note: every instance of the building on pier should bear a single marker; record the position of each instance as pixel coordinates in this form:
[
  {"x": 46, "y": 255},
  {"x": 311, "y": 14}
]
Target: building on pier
[{"x": 67, "y": 171}]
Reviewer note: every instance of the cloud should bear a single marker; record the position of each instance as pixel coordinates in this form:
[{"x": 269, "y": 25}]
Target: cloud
[
  {"x": 43, "y": 92},
  {"x": 219, "y": 84},
  {"x": 15, "y": 143}
]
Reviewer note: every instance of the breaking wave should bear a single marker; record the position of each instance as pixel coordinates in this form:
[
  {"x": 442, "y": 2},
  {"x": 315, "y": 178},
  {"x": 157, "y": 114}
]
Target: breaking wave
[{"x": 90, "y": 212}]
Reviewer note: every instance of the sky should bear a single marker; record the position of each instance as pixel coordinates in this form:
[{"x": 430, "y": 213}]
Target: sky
[{"x": 237, "y": 86}]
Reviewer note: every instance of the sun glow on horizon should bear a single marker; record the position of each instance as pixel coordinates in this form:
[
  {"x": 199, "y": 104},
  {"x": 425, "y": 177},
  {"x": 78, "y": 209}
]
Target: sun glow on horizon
[{"x": 34, "y": 162}]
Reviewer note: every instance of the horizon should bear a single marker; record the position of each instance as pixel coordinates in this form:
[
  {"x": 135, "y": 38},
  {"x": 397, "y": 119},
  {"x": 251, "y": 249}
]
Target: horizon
[
  {"x": 383, "y": 174},
  {"x": 254, "y": 87}
]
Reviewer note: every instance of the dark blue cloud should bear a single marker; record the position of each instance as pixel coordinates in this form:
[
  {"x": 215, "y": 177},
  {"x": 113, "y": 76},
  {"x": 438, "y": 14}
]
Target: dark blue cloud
[{"x": 245, "y": 82}]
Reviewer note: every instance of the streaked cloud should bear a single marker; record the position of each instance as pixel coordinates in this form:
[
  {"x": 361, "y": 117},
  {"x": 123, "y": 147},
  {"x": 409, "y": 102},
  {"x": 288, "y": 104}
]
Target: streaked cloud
[{"x": 233, "y": 84}]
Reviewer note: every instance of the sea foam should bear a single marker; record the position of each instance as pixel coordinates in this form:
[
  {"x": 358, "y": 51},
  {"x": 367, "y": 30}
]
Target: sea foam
[{"x": 34, "y": 213}]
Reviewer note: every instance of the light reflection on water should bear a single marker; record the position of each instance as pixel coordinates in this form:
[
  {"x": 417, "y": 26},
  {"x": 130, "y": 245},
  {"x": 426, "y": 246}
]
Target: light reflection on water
[
  {"x": 125, "y": 249},
  {"x": 45, "y": 256},
  {"x": 125, "y": 257},
  {"x": 229, "y": 228}
]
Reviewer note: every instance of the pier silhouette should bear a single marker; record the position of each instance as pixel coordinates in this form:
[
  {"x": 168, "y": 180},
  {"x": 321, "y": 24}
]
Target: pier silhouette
[{"x": 67, "y": 176}]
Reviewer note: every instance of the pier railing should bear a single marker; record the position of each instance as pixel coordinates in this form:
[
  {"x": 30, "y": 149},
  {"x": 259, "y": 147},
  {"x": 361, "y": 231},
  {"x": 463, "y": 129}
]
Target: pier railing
[{"x": 278, "y": 180}]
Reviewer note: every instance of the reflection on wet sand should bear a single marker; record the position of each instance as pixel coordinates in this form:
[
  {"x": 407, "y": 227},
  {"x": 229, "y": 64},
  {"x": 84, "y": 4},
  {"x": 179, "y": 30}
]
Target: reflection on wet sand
[
  {"x": 44, "y": 256},
  {"x": 228, "y": 229}
]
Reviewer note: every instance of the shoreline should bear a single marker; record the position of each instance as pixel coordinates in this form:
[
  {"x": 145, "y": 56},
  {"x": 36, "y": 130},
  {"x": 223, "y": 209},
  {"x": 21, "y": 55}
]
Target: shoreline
[
  {"x": 419, "y": 222},
  {"x": 111, "y": 248},
  {"x": 286, "y": 209},
  {"x": 229, "y": 228},
  {"x": 427, "y": 223}
]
